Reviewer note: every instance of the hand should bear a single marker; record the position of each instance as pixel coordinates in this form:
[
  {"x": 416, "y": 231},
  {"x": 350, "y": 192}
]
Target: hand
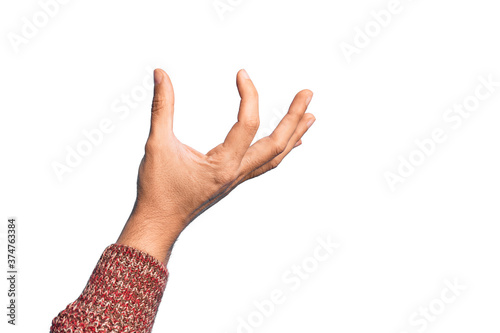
[{"x": 176, "y": 183}]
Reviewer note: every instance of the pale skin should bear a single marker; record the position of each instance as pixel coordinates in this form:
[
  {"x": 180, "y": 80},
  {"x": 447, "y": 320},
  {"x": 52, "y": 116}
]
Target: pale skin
[{"x": 176, "y": 183}]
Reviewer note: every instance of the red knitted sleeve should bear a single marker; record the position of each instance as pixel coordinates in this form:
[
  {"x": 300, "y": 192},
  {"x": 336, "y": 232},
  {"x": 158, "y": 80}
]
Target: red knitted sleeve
[{"x": 122, "y": 294}]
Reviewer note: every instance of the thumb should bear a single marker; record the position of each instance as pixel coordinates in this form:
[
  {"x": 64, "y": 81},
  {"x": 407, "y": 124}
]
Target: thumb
[{"x": 162, "y": 110}]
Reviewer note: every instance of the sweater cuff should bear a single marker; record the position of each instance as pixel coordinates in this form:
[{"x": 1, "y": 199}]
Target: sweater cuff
[{"x": 122, "y": 295}]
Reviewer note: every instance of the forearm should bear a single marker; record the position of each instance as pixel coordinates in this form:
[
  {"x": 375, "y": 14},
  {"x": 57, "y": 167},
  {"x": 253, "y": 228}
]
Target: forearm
[{"x": 122, "y": 294}]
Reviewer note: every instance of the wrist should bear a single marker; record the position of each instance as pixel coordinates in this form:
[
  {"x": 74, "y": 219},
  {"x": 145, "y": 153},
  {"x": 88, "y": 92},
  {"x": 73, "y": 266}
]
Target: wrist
[{"x": 153, "y": 234}]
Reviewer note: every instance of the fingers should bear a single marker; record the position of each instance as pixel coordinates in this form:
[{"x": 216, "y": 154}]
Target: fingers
[
  {"x": 269, "y": 147},
  {"x": 287, "y": 125},
  {"x": 295, "y": 141},
  {"x": 242, "y": 133},
  {"x": 162, "y": 110}
]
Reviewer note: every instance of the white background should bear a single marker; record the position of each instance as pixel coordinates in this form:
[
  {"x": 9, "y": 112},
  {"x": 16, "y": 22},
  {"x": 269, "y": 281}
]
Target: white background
[{"x": 397, "y": 247}]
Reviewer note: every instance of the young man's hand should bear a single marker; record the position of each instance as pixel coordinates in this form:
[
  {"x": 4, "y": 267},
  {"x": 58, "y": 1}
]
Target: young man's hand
[{"x": 177, "y": 183}]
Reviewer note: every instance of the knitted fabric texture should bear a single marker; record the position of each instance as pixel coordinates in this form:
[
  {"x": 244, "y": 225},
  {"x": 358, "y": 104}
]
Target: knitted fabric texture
[{"x": 122, "y": 294}]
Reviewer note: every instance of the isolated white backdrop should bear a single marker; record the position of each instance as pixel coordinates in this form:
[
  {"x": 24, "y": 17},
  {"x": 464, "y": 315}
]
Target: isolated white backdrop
[{"x": 397, "y": 248}]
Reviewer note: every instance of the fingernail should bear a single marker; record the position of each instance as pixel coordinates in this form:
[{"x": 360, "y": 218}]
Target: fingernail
[
  {"x": 298, "y": 143},
  {"x": 244, "y": 74},
  {"x": 310, "y": 122},
  {"x": 158, "y": 76},
  {"x": 308, "y": 100}
]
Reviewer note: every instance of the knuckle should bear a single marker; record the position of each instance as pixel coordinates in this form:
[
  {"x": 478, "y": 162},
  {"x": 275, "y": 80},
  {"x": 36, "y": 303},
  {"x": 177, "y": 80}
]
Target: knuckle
[
  {"x": 273, "y": 164},
  {"x": 152, "y": 145},
  {"x": 225, "y": 176},
  {"x": 279, "y": 146},
  {"x": 158, "y": 103},
  {"x": 252, "y": 123},
  {"x": 224, "y": 169}
]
